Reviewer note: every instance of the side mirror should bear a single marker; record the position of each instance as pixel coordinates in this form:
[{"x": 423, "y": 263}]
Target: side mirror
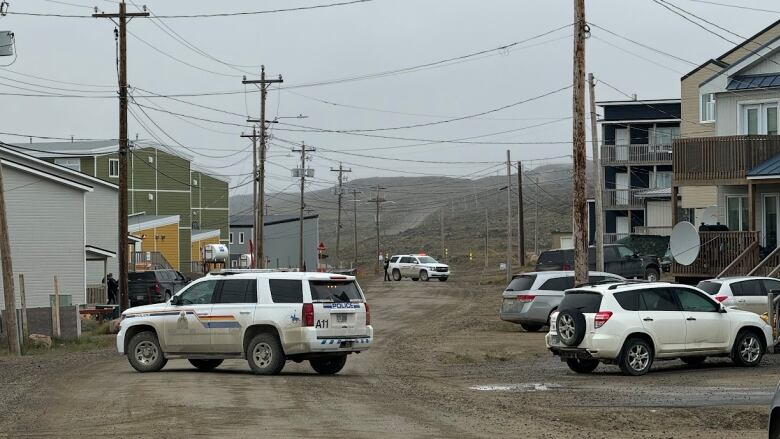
[
  {"x": 722, "y": 309},
  {"x": 175, "y": 300}
]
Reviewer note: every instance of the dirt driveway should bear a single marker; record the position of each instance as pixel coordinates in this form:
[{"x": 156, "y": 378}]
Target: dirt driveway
[{"x": 443, "y": 366}]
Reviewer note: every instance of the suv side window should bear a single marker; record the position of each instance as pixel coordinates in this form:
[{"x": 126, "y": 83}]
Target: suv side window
[
  {"x": 238, "y": 291},
  {"x": 610, "y": 253},
  {"x": 286, "y": 290},
  {"x": 414, "y": 261},
  {"x": 394, "y": 259},
  {"x": 659, "y": 299},
  {"x": 558, "y": 284},
  {"x": 630, "y": 300},
  {"x": 406, "y": 260},
  {"x": 770, "y": 285},
  {"x": 624, "y": 251},
  {"x": 694, "y": 302},
  {"x": 748, "y": 288},
  {"x": 199, "y": 294}
]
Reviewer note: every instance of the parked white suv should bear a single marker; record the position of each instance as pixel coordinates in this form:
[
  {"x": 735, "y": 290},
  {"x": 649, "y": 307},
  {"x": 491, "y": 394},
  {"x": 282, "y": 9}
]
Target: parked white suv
[
  {"x": 417, "y": 267},
  {"x": 632, "y": 324},
  {"x": 748, "y": 293},
  {"x": 264, "y": 316}
]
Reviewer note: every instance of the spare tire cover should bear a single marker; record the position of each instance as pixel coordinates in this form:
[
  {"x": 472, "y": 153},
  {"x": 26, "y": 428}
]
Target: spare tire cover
[{"x": 570, "y": 325}]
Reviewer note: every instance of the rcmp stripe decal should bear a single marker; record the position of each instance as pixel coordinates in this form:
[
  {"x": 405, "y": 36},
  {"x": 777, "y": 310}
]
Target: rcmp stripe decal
[{"x": 208, "y": 321}]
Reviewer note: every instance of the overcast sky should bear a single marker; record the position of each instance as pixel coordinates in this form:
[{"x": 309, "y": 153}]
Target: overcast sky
[{"x": 342, "y": 42}]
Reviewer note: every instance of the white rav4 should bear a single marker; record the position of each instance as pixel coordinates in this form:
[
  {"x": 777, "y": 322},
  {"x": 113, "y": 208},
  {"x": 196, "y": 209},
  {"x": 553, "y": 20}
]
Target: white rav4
[
  {"x": 263, "y": 316},
  {"x": 417, "y": 267},
  {"x": 631, "y": 324}
]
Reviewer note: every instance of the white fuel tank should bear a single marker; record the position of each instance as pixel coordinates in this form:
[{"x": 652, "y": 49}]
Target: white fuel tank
[{"x": 216, "y": 253}]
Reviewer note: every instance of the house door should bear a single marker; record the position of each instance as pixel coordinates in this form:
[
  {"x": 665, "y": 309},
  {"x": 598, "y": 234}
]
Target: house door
[
  {"x": 621, "y": 226},
  {"x": 622, "y": 140},
  {"x": 621, "y": 186},
  {"x": 771, "y": 216}
]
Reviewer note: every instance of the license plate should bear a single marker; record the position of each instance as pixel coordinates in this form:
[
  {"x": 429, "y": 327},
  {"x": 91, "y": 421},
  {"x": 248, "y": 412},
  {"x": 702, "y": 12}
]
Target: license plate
[
  {"x": 341, "y": 318},
  {"x": 345, "y": 344}
]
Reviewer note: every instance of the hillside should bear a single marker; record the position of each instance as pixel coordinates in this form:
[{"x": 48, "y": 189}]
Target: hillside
[{"x": 412, "y": 218}]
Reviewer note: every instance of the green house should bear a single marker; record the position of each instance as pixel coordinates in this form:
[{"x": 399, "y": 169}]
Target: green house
[{"x": 161, "y": 181}]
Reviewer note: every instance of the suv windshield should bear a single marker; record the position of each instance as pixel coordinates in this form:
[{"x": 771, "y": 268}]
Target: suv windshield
[
  {"x": 333, "y": 291},
  {"x": 710, "y": 288},
  {"x": 583, "y": 301},
  {"x": 521, "y": 283},
  {"x": 427, "y": 260}
]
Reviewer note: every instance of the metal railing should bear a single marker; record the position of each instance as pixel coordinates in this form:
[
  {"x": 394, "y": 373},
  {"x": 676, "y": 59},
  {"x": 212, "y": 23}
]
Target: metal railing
[
  {"x": 721, "y": 158},
  {"x": 149, "y": 261},
  {"x": 636, "y": 154},
  {"x": 611, "y": 238},
  {"x": 653, "y": 230},
  {"x": 623, "y": 198}
]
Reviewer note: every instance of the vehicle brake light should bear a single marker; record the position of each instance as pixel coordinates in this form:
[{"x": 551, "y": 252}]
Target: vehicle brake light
[
  {"x": 525, "y": 298},
  {"x": 566, "y": 267},
  {"x": 308, "y": 314},
  {"x": 338, "y": 277},
  {"x": 601, "y": 318},
  {"x": 157, "y": 287},
  {"x": 368, "y": 315},
  {"x": 721, "y": 299}
]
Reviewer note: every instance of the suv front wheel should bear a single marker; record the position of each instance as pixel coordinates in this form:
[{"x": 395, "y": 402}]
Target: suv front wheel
[
  {"x": 424, "y": 275},
  {"x": 265, "y": 354},
  {"x": 396, "y": 274},
  {"x": 748, "y": 349},
  {"x": 652, "y": 274},
  {"x": 144, "y": 352},
  {"x": 636, "y": 358}
]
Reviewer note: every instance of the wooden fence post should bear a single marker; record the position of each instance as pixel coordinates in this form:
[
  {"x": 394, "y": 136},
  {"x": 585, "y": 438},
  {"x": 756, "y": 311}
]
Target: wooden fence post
[
  {"x": 55, "y": 313},
  {"x": 23, "y": 297}
]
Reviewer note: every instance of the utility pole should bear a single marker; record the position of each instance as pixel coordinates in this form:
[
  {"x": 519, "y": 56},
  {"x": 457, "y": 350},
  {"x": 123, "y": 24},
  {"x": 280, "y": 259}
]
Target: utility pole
[
  {"x": 354, "y": 223},
  {"x": 302, "y": 172},
  {"x": 339, "y": 193},
  {"x": 487, "y": 237},
  {"x": 441, "y": 221},
  {"x": 536, "y": 215},
  {"x": 255, "y": 207},
  {"x": 260, "y": 180},
  {"x": 378, "y": 200},
  {"x": 508, "y": 217},
  {"x": 8, "y": 277},
  {"x": 594, "y": 139},
  {"x": 580, "y": 207},
  {"x": 520, "y": 217},
  {"x": 122, "y": 250}
]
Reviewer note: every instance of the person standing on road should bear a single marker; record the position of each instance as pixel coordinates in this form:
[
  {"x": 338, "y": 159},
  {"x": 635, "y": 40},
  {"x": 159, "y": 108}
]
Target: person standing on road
[
  {"x": 113, "y": 288},
  {"x": 386, "y": 265}
]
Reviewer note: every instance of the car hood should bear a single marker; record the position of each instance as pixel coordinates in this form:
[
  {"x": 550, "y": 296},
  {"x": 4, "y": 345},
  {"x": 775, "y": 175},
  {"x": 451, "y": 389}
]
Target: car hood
[{"x": 146, "y": 308}]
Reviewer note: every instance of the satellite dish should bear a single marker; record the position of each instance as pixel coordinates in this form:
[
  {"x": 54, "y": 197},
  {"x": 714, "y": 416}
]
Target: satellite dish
[
  {"x": 684, "y": 243},
  {"x": 710, "y": 216}
]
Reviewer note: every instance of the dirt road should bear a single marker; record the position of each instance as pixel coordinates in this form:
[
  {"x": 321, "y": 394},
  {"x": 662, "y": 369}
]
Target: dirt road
[{"x": 443, "y": 366}]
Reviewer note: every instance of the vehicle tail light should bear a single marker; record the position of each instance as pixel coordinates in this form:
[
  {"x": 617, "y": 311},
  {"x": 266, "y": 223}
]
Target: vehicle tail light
[
  {"x": 566, "y": 267},
  {"x": 308, "y": 314},
  {"x": 525, "y": 298},
  {"x": 157, "y": 287},
  {"x": 721, "y": 299},
  {"x": 368, "y": 314},
  {"x": 601, "y": 318}
]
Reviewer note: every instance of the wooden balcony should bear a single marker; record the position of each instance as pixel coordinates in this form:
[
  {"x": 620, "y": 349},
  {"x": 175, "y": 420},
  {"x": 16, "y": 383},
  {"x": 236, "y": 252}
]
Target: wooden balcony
[
  {"x": 704, "y": 159},
  {"x": 719, "y": 251},
  {"x": 636, "y": 154},
  {"x": 623, "y": 198}
]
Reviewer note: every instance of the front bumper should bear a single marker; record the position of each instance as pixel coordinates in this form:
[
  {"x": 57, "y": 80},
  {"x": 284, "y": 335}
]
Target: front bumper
[{"x": 437, "y": 274}]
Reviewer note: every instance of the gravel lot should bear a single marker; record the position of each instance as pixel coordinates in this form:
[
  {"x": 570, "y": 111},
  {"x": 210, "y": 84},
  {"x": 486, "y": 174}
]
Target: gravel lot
[{"x": 443, "y": 366}]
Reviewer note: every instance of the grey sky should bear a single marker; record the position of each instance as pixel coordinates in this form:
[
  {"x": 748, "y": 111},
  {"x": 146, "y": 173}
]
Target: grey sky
[{"x": 346, "y": 41}]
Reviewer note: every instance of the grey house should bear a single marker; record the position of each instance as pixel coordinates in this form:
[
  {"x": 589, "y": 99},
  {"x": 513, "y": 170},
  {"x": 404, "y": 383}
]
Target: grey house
[
  {"x": 281, "y": 239},
  {"x": 61, "y": 222}
]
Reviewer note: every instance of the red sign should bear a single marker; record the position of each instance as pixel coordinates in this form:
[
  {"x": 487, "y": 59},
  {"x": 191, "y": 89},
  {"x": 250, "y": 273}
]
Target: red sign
[{"x": 321, "y": 247}]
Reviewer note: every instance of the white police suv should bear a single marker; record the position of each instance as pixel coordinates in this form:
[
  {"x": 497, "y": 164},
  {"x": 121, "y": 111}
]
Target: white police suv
[
  {"x": 264, "y": 316},
  {"x": 417, "y": 267}
]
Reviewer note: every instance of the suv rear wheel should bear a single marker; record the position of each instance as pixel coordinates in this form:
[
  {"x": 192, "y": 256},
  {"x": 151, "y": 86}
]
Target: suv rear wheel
[
  {"x": 424, "y": 275},
  {"x": 582, "y": 366},
  {"x": 396, "y": 274},
  {"x": 328, "y": 365},
  {"x": 265, "y": 354},
  {"x": 144, "y": 352},
  {"x": 636, "y": 358},
  {"x": 206, "y": 365},
  {"x": 748, "y": 349},
  {"x": 652, "y": 274}
]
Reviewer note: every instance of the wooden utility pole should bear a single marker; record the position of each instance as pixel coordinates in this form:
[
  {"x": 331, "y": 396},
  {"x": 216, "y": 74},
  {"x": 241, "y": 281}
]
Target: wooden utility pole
[
  {"x": 354, "y": 225},
  {"x": 378, "y": 200},
  {"x": 339, "y": 193},
  {"x": 56, "y": 327},
  {"x": 536, "y": 215},
  {"x": 23, "y": 300},
  {"x": 260, "y": 179},
  {"x": 520, "y": 217},
  {"x": 580, "y": 207},
  {"x": 594, "y": 139},
  {"x": 508, "y": 217},
  {"x": 257, "y": 213},
  {"x": 11, "y": 328},
  {"x": 487, "y": 237},
  {"x": 122, "y": 250},
  {"x": 302, "y": 173},
  {"x": 441, "y": 221}
]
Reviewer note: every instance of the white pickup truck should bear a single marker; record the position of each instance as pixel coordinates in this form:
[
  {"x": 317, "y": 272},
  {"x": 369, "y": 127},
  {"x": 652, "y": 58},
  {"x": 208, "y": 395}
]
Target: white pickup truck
[{"x": 264, "y": 316}]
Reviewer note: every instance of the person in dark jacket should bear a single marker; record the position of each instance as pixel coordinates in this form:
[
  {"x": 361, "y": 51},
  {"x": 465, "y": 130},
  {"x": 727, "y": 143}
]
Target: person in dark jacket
[
  {"x": 113, "y": 288},
  {"x": 386, "y": 264}
]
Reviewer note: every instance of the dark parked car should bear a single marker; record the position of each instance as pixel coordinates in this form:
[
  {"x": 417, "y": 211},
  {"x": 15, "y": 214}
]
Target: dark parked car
[
  {"x": 618, "y": 259},
  {"x": 650, "y": 245},
  {"x": 154, "y": 286}
]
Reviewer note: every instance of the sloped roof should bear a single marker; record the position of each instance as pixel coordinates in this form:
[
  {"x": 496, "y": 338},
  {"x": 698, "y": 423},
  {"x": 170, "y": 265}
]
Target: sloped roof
[
  {"x": 747, "y": 82},
  {"x": 766, "y": 169}
]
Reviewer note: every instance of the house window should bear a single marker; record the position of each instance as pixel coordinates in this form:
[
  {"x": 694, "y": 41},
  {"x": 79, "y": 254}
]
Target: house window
[
  {"x": 113, "y": 168},
  {"x": 737, "y": 213},
  {"x": 759, "y": 118},
  {"x": 241, "y": 237},
  {"x": 74, "y": 164},
  {"x": 230, "y": 238},
  {"x": 662, "y": 180},
  {"x": 707, "y": 111},
  {"x": 663, "y": 135}
]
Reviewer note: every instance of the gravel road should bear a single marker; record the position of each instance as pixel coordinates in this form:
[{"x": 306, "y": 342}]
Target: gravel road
[{"x": 443, "y": 365}]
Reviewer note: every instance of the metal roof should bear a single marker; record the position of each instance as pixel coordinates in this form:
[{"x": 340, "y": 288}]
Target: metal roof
[
  {"x": 748, "y": 82},
  {"x": 767, "y": 169},
  {"x": 76, "y": 147}
]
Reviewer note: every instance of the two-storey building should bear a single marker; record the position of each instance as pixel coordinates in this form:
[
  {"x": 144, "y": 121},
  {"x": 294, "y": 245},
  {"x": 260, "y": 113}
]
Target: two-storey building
[{"x": 636, "y": 159}]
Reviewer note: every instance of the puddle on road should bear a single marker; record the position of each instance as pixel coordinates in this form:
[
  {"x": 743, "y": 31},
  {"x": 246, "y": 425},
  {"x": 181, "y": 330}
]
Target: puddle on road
[{"x": 522, "y": 387}]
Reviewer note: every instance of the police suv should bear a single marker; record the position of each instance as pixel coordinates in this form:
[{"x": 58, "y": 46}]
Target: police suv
[
  {"x": 417, "y": 267},
  {"x": 264, "y": 316}
]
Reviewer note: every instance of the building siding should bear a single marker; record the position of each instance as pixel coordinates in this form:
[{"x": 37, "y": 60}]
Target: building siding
[
  {"x": 281, "y": 243},
  {"x": 697, "y": 197},
  {"x": 102, "y": 226},
  {"x": 728, "y": 107},
  {"x": 659, "y": 214},
  {"x": 173, "y": 172},
  {"x": 768, "y": 64},
  {"x": 47, "y": 236},
  {"x": 163, "y": 239},
  {"x": 690, "y": 102}
]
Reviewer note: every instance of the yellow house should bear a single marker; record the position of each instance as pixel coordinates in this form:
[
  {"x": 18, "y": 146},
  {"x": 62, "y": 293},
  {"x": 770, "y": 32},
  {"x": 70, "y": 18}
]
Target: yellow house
[
  {"x": 200, "y": 239},
  {"x": 159, "y": 236}
]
